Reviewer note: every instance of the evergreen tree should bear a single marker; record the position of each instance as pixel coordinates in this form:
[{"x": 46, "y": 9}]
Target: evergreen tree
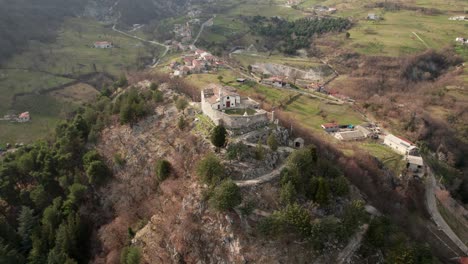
[
  {"x": 97, "y": 172},
  {"x": 288, "y": 193},
  {"x": 259, "y": 151},
  {"x": 26, "y": 224},
  {"x": 226, "y": 196},
  {"x": 323, "y": 192},
  {"x": 210, "y": 170},
  {"x": 218, "y": 136},
  {"x": 163, "y": 169}
]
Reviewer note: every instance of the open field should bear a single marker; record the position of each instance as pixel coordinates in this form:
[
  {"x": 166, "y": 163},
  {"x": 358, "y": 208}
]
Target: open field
[
  {"x": 246, "y": 59},
  {"x": 313, "y": 112},
  {"x": 389, "y": 158},
  {"x": 42, "y": 66},
  {"x": 393, "y": 36}
]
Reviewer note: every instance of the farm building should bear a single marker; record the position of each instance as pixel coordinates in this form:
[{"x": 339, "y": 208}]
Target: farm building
[
  {"x": 414, "y": 164},
  {"x": 103, "y": 45},
  {"x": 400, "y": 145},
  {"x": 331, "y": 127},
  {"x": 350, "y": 135}
]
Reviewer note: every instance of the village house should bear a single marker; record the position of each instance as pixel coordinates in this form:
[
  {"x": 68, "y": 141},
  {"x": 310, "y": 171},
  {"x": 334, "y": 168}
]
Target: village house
[
  {"x": 23, "y": 117},
  {"x": 103, "y": 45},
  {"x": 276, "y": 81},
  {"x": 225, "y": 106},
  {"x": 331, "y": 127},
  {"x": 400, "y": 145}
]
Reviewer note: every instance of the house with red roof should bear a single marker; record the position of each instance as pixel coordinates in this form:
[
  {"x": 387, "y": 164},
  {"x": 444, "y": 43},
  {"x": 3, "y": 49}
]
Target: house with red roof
[
  {"x": 23, "y": 117},
  {"x": 331, "y": 127},
  {"x": 103, "y": 44}
]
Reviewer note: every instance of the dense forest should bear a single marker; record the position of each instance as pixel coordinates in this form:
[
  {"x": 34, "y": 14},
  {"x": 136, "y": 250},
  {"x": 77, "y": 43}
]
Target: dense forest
[{"x": 294, "y": 35}]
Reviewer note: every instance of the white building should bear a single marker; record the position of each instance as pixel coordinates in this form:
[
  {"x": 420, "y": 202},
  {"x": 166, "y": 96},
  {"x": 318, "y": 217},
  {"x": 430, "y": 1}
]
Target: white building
[
  {"x": 400, "y": 145},
  {"x": 415, "y": 164},
  {"x": 221, "y": 97},
  {"x": 103, "y": 45}
]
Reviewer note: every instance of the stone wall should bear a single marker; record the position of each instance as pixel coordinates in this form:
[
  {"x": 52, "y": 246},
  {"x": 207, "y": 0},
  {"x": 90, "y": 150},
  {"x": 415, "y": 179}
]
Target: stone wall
[{"x": 235, "y": 121}]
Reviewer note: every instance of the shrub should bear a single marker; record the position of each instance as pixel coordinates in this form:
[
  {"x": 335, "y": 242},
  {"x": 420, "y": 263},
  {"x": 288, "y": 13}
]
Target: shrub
[
  {"x": 130, "y": 255},
  {"x": 210, "y": 170},
  {"x": 259, "y": 151},
  {"x": 163, "y": 169},
  {"x": 272, "y": 142},
  {"x": 181, "y": 104},
  {"x": 288, "y": 193},
  {"x": 119, "y": 159},
  {"x": 181, "y": 123},
  {"x": 226, "y": 196},
  {"x": 158, "y": 96}
]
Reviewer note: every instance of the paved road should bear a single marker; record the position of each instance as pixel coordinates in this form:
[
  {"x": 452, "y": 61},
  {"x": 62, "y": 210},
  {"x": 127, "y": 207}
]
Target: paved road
[
  {"x": 353, "y": 245},
  {"x": 431, "y": 203}
]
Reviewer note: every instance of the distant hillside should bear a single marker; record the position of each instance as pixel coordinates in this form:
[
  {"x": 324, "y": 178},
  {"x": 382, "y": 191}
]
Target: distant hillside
[{"x": 22, "y": 21}]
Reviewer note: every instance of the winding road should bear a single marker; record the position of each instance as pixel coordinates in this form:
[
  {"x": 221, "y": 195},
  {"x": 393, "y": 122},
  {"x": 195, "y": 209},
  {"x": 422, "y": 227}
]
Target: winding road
[
  {"x": 431, "y": 203},
  {"x": 166, "y": 47}
]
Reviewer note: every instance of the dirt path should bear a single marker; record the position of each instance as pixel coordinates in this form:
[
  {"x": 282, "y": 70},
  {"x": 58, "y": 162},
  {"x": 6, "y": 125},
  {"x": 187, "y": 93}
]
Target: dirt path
[
  {"x": 262, "y": 179},
  {"x": 423, "y": 42},
  {"x": 166, "y": 47},
  {"x": 206, "y": 23},
  {"x": 353, "y": 245},
  {"x": 431, "y": 203}
]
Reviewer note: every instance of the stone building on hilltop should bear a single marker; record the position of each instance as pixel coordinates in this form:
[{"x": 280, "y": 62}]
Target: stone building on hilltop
[{"x": 223, "y": 105}]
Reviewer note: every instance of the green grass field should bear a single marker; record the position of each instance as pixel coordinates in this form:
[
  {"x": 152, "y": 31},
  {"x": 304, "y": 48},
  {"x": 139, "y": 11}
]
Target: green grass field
[
  {"x": 71, "y": 53},
  {"x": 314, "y": 112}
]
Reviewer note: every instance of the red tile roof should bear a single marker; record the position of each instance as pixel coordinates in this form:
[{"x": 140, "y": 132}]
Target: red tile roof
[
  {"x": 406, "y": 140},
  {"x": 24, "y": 115}
]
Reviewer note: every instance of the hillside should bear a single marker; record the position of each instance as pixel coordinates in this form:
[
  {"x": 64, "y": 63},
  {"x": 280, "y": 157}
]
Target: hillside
[{"x": 119, "y": 163}]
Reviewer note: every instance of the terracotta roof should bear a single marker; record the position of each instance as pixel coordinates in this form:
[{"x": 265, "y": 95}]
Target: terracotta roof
[
  {"x": 406, "y": 140},
  {"x": 24, "y": 115}
]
